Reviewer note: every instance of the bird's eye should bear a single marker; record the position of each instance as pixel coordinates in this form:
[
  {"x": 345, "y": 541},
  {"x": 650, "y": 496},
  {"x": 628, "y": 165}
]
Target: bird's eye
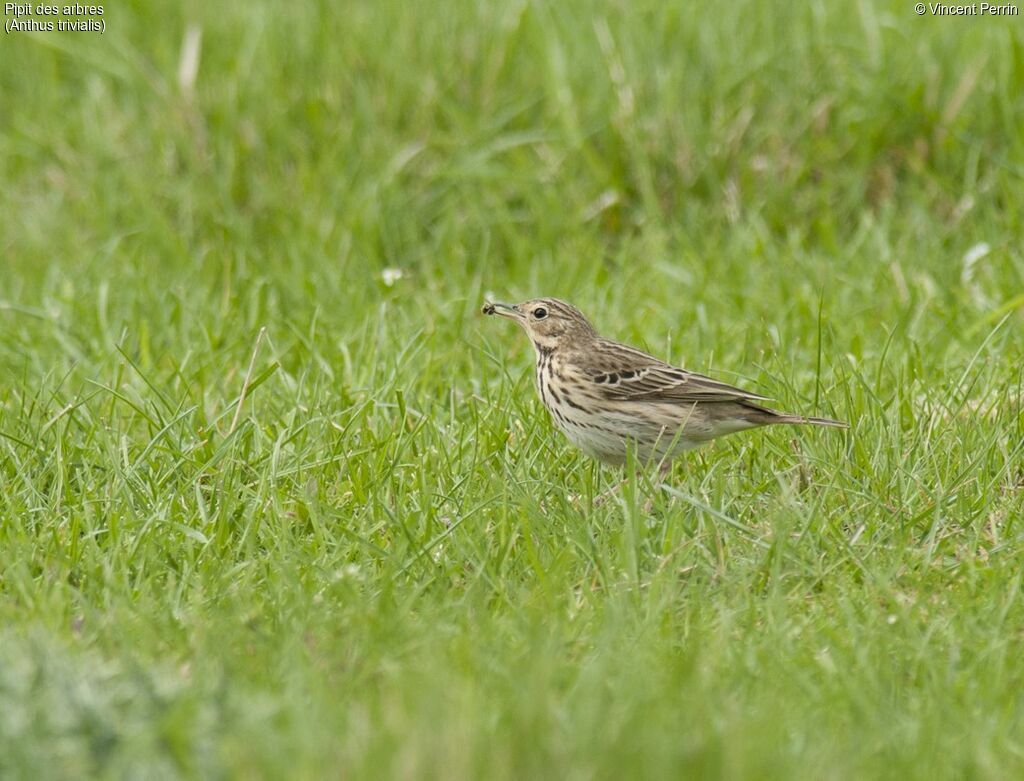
[{"x": 540, "y": 313}]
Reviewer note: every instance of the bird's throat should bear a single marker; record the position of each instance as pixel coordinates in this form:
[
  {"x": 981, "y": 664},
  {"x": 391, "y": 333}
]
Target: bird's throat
[{"x": 544, "y": 351}]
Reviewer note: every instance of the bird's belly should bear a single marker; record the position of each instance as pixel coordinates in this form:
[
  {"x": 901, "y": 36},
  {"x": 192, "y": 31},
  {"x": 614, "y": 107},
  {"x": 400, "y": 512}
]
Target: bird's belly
[
  {"x": 598, "y": 442},
  {"x": 607, "y": 434}
]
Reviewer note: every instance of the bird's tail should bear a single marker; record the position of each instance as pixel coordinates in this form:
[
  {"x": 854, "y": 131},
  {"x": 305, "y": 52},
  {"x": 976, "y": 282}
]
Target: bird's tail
[
  {"x": 763, "y": 416},
  {"x": 783, "y": 418}
]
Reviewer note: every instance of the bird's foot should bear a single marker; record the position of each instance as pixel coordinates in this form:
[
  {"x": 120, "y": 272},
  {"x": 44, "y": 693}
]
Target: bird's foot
[{"x": 609, "y": 494}]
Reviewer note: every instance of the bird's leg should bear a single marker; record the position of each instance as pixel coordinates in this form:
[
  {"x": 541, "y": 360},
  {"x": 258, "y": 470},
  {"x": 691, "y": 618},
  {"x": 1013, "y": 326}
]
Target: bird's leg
[{"x": 663, "y": 469}]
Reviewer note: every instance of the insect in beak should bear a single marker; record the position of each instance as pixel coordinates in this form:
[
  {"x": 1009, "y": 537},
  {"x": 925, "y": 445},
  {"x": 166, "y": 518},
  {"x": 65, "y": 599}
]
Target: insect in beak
[{"x": 502, "y": 310}]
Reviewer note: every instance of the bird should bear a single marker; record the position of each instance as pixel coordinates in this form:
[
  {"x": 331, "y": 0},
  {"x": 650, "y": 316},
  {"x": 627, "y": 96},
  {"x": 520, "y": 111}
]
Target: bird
[{"x": 608, "y": 397}]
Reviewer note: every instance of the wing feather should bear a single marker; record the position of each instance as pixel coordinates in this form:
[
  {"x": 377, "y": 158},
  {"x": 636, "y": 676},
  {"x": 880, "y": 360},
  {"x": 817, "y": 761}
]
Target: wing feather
[{"x": 628, "y": 374}]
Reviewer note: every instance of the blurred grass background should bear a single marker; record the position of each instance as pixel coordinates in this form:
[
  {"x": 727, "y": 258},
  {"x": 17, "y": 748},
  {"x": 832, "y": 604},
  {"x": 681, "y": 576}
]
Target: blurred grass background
[{"x": 275, "y": 502}]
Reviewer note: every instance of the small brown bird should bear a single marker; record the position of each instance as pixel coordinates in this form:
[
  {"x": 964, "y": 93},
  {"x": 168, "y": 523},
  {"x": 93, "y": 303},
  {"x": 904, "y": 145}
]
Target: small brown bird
[{"x": 604, "y": 395}]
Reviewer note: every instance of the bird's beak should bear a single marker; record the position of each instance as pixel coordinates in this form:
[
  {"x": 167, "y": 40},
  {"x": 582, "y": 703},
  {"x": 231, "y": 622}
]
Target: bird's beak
[{"x": 502, "y": 310}]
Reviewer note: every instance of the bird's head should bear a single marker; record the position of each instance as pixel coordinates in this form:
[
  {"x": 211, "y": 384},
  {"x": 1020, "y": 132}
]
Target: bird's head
[{"x": 549, "y": 322}]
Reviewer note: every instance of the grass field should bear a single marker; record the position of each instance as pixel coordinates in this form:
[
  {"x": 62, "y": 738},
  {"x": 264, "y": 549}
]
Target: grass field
[{"x": 277, "y": 502}]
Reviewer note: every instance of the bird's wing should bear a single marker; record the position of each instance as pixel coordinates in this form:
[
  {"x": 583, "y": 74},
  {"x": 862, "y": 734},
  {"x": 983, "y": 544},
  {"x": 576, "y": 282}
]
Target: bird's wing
[{"x": 631, "y": 375}]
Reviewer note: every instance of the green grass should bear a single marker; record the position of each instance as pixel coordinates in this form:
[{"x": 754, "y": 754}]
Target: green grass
[{"x": 264, "y": 515}]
